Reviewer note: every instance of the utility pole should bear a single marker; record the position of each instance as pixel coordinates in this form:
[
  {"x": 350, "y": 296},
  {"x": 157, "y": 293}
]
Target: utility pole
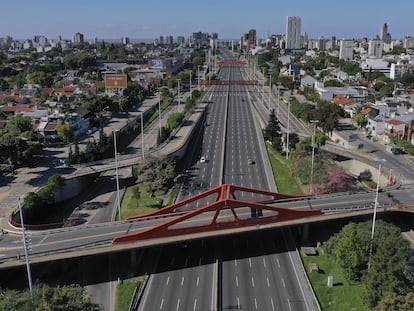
[
  {"x": 313, "y": 149},
  {"x": 25, "y": 242},
  {"x": 116, "y": 172}
]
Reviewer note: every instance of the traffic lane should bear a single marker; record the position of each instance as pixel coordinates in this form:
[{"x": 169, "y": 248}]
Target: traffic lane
[{"x": 182, "y": 272}]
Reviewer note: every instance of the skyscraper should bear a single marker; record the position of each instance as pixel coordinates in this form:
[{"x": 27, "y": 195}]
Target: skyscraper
[
  {"x": 384, "y": 34},
  {"x": 293, "y": 41},
  {"x": 346, "y": 49}
]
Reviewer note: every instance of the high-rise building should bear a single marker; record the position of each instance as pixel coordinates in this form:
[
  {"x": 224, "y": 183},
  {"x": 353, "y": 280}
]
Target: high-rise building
[
  {"x": 333, "y": 43},
  {"x": 125, "y": 40},
  {"x": 385, "y": 36},
  {"x": 346, "y": 49},
  {"x": 375, "y": 47},
  {"x": 252, "y": 37},
  {"x": 408, "y": 42},
  {"x": 78, "y": 38},
  {"x": 293, "y": 38}
]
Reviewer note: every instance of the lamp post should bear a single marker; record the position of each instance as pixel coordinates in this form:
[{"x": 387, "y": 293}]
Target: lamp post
[
  {"x": 159, "y": 111},
  {"x": 116, "y": 172},
  {"x": 26, "y": 253},
  {"x": 142, "y": 135},
  {"x": 270, "y": 90},
  {"x": 313, "y": 148},
  {"x": 179, "y": 99},
  {"x": 287, "y": 132},
  {"x": 198, "y": 77},
  {"x": 374, "y": 216}
]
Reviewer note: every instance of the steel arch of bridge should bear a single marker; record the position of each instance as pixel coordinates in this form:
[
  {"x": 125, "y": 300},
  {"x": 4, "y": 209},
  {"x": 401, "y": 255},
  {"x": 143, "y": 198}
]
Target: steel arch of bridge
[{"x": 224, "y": 199}]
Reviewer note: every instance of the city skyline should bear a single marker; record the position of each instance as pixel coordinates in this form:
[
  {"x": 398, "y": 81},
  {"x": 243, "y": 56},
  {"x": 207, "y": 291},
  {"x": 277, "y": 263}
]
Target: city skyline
[{"x": 24, "y": 19}]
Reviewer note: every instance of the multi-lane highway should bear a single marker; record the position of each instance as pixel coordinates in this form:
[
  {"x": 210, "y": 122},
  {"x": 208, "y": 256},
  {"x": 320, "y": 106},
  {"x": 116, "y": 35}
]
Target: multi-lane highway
[{"x": 232, "y": 152}]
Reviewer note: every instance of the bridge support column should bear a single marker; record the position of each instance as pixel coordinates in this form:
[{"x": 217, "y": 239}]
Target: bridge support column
[
  {"x": 305, "y": 232},
  {"x": 133, "y": 264}
]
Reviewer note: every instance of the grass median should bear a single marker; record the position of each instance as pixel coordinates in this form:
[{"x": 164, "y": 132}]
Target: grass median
[
  {"x": 125, "y": 292},
  {"x": 343, "y": 295}
]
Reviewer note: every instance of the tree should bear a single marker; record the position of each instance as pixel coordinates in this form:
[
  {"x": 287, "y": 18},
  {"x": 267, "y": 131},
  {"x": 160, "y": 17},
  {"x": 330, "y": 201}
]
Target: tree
[
  {"x": 335, "y": 180},
  {"x": 360, "y": 120},
  {"x": 18, "y": 125},
  {"x": 40, "y": 77},
  {"x": 65, "y": 132},
  {"x": 46, "y": 298},
  {"x": 394, "y": 302}
]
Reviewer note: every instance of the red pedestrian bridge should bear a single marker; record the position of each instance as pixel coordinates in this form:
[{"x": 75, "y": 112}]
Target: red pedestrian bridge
[{"x": 223, "y": 207}]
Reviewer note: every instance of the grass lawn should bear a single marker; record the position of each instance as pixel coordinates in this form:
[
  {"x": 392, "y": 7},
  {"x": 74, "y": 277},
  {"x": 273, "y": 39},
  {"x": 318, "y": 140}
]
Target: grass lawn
[
  {"x": 138, "y": 200},
  {"x": 124, "y": 293},
  {"x": 344, "y": 295},
  {"x": 284, "y": 180}
]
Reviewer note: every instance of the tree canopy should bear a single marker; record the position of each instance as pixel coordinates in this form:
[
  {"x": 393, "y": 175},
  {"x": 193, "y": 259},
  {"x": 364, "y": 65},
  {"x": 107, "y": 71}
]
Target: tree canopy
[{"x": 46, "y": 298}]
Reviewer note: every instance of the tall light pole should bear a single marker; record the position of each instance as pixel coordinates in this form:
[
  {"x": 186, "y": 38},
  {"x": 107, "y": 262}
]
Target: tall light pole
[
  {"x": 263, "y": 86},
  {"x": 288, "y": 130},
  {"x": 270, "y": 90},
  {"x": 159, "y": 111},
  {"x": 198, "y": 77},
  {"x": 374, "y": 216},
  {"x": 26, "y": 253},
  {"x": 313, "y": 149},
  {"x": 142, "y": 135},
  {"x": 179, "y": 99},
  {"x": 190, "y": 87},
  {"x": 116, "y": 173}
]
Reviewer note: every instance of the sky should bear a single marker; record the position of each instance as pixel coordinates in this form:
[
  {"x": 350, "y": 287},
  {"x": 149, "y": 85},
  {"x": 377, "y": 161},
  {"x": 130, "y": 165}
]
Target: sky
[{"x": 146, "y": 19}]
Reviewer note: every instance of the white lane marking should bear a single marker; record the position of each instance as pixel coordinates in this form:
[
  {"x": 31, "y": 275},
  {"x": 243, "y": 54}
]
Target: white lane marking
[
  {"x": 168, "y": 281},
  {"x": 271, "y": 301},
  {"x": 255, "y": 303},
  {"x": 162, "y": 302},
  {"x": 182, "y": 281},
  {"x": 237, "y": 281},
  {"x": 264, "y": 262},
  {"x": 252, "y": 282},
  {"x": 283, "y": 282},
  {"x": 268, "y": 282},
  {"x": 235, "y": 262},
  {"x": 290, "y": 307},
  {"x": 195, "y": 304},
  {"x": 178, "y": 303},
  {"x": 278, "y": 263},
  {"x": 42, "y": 240},
  {"x": 250, "y": 262},
  {"x": 238, "y": 301}
]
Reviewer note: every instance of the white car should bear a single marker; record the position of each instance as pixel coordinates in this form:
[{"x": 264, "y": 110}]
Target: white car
[{"x": 202, "y": 160}]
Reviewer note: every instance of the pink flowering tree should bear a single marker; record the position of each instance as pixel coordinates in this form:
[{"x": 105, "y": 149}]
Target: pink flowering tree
[{"x": 335, "y": 180}]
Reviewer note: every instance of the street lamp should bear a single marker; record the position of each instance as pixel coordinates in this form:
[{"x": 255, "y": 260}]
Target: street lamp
[
  {"x": 288, "y": 130},
  {"x": 313, "y": 148},
  {"x": 380, "y": 161},
  {"x": 179, "y": 91},
  {"x": 26, "y": 253},
  {"x": 142, "y": 135},
  {"x": 116, "y": 172},
  {"x": 159, "y": 111},
  {"x": 270, "y": 90}
]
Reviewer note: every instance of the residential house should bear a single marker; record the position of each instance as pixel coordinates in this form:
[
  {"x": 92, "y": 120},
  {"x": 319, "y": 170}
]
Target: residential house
[{"x": 350, "y": 106}]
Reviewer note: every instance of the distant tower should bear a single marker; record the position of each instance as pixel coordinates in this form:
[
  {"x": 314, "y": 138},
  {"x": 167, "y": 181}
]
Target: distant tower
[
  {"x": 78, "y": 38},
  {"x": 346, "y": 49},
  {"x": 252, "y": 37},
  {"x": 293, "y": 24},
  {"x": 384, "y": 34}
]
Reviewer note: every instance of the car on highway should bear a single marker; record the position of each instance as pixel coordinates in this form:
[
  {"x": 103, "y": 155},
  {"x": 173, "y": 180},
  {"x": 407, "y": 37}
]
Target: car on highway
[
  {"x": 202, "y": 160},
  {"x": 250, "y": 162}
]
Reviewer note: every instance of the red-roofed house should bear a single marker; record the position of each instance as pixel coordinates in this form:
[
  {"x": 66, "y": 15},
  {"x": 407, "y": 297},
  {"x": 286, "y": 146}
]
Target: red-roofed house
[{"x": 350, "y": 106}]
